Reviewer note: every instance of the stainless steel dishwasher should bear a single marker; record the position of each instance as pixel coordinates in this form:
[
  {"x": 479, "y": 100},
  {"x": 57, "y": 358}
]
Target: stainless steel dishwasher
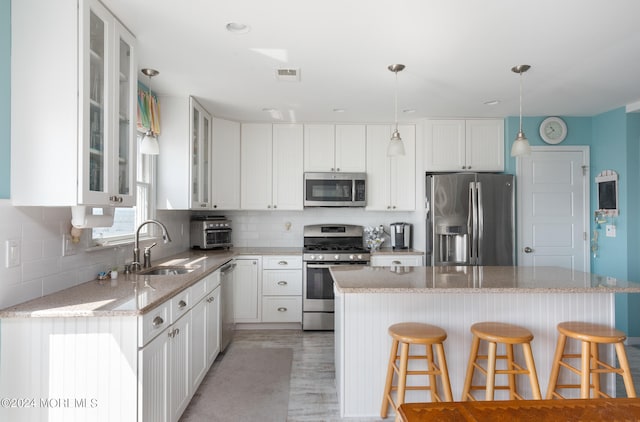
[{"x": 226, "y": 293}]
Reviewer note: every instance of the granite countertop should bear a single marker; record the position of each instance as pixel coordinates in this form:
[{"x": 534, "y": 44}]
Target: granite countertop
[
  {"x": 468, "y": 279},
  {"x": 391, "y": 251},
  {"x": 133, "y": 294}
]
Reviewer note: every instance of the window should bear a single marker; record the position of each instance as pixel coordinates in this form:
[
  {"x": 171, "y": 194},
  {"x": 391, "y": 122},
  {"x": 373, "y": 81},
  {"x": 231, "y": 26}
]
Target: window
[{"x": 125, "y": 220}]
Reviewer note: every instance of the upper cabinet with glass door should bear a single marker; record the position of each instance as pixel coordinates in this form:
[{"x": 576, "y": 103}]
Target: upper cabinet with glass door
[{"x": 73, "y": 111}]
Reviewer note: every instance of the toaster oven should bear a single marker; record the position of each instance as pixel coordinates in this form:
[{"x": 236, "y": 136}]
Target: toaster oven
[{"x": 210, "y": 232}]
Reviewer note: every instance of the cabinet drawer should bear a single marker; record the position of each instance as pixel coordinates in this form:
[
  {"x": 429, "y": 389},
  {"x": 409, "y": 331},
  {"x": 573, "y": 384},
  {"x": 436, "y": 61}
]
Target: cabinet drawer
[
  {"x": 199, "y": 290},
  {"x": 212, "y": 281},
  {"x": 279, "y": 262},
  {"x": 282, "y": 309},
  {"x": 282, "y": 282},
  {"x": 180, "y": 304},
  {"x": 390, "y": 260},
  {"x": 153, "y": 323}
]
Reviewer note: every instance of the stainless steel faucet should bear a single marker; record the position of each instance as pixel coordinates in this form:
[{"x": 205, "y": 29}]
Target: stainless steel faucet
[{"x": 135, "y": 265}]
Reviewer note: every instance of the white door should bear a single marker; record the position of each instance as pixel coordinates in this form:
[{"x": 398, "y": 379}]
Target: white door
[{"x": 553, "y": 208}]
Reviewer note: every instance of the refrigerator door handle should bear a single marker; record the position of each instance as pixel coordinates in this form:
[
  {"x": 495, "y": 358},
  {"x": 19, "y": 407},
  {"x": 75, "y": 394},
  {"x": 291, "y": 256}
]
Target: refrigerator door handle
[
  {"x": 472, "y": 224},
  {"x": 479, "y": 222}
]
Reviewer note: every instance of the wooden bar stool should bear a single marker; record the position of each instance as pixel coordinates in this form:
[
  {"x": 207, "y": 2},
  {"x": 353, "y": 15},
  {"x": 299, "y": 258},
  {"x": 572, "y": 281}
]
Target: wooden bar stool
[
  {"x": 507, "y": 334},
  {"x": 591, "y": 335},
  {"x": 414, "y": 333}
]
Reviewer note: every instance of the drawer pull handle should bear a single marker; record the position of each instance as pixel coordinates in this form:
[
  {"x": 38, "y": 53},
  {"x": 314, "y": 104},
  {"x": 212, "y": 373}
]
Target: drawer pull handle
[
  {"x": 158, "y": 321},
  {"x": 396, "y": 262},
  {"x": 282, "y": 283},
  {"x": 182, "y": 304},
  {"x": 283, "y": 263},
  {"x": 211, "y": 299},
  {"x": 282, "y": 309}
]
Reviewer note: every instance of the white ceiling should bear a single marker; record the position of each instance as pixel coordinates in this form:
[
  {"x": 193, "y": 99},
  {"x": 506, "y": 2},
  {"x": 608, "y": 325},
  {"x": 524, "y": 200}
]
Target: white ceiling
[{"x": 584, "y": 56}]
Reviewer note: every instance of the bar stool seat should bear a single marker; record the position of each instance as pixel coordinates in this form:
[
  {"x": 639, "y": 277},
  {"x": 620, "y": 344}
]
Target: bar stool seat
[
  {"x": 508, "y": 334},
  {"x": 590, "y": 335},
  {"x": 415, "y": 333}
]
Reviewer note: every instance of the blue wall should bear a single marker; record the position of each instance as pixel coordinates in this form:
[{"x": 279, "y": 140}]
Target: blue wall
[{"x": 5, "y": 96}]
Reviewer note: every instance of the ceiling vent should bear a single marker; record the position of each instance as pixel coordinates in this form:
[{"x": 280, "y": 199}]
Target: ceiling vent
[{"x": 288, "y": 75}]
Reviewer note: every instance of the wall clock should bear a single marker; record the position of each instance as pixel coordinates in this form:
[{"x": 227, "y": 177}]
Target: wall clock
[{"x": 553, "y": 130}]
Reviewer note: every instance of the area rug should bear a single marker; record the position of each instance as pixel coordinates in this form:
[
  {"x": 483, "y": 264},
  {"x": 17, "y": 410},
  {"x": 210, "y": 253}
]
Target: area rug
[{"x": 247, "y": 385}]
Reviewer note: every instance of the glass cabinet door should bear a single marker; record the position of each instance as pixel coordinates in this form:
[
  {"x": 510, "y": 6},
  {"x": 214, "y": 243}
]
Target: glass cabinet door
[
  {"x": 200, "y": 132},
  {"x": 97, "y": 102},
  {"x": 125, "y": 146}
]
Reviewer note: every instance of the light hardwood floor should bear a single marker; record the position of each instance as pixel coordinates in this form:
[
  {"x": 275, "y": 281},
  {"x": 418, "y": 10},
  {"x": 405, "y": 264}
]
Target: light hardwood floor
[{"x": 312, "y": 395}]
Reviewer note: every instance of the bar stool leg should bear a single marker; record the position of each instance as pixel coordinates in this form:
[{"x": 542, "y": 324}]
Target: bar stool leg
[
  {"x": 533, "y": 375},
  {"x": 595, "y": 376},
  {"x": 510, "y": 367},
  {"x": 475, "y": 345},
  {"x": 555, "y": 368},
  {"x": 402, "y": 378},
  {"x": 431, "y": 367},
  {"x": 491, "y": 370},
  {"x": 444, "y": 372},
  {"x": 387, "y": 385},
  {"x": 626, "y": 375},
  {"x": 585, "y": 376}
]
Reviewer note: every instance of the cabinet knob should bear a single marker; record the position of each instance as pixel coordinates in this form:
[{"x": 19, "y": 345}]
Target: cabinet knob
[
  {"x": 211, "y": 299},
  {"x": 388, "y": 207},
  {"x": 283, "y": 263},
  {"x": 268, "y": 206},
  {"x": 393, "y": 206},
  {"x": 282, "y": 283},
  {"x": 215, "y": 206},
  {"x": 275, "y": 206},
  {"x": 282, "y": 309},
  {"x": 338, "y": 169},
  {"x": 394, "y": 262},
  {"x": 182, "y": 304},
  {"x": 469, "y": 167},
  {"x": 332, "y": 169},
  {"x": 203, "y": 205},
  {"x": 157, "y": 321}
]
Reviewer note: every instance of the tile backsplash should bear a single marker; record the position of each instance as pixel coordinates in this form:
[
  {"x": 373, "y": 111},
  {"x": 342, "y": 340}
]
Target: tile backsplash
[{"x": 43, "y": 269}]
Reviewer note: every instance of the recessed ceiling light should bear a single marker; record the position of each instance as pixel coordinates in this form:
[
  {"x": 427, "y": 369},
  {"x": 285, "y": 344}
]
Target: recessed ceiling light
[
  {"x": 238, "y": 28},
  {"x": 338, "y": 110},
  {"x": 409, "y": 110},
  {"x": 492, "y": 102}
]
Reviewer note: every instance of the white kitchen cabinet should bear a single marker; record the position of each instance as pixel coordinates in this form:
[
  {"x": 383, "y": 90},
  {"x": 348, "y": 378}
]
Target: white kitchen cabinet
[
  {"x": 185, "y": 154},
  {"x": 205, "y": 326},
  {"x": 282, "y": 288},
  {"x": 247, "y": 289},
  {"x": 387, "y": 260},
  {"x": 225, "y": 165},
  {"x": 271, "y": 166},
  {"x": 213, "y": 325},
  {"x": 179, "y": 388},
  {"x": 330, "y": 147},
  {"x": 85, "y": 103},
  {"x": 464, "y": 145},
  {"x": 391, "y": 181},
  {"x": 153, "y": 379}
]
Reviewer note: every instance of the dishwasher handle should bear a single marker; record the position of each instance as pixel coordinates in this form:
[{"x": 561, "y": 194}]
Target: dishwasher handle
[{"x": 228, "y": 268}]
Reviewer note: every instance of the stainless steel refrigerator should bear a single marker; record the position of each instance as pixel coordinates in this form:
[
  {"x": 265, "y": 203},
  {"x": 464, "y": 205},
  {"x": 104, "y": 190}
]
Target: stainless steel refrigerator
[{"x": 470, "y": 219}]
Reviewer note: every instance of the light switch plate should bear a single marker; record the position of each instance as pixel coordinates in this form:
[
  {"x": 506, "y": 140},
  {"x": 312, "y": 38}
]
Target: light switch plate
[
  {"x": 610, "y": 230},
  {"x": 12, "y": 248}
]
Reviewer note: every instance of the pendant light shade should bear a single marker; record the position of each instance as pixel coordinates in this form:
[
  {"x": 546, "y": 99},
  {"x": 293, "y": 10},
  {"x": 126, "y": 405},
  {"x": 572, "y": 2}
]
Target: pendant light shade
[
  {"x": 149, "y": 144},
  {"x": 520, "y": 145},
  {"x": 396, "y": 146}
]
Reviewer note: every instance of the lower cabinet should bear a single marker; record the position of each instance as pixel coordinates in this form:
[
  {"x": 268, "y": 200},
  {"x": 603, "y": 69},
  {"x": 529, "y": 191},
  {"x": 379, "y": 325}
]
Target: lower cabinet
[
  {"x": 173, "y": 364},
  {"x": 268, "y": 289}
]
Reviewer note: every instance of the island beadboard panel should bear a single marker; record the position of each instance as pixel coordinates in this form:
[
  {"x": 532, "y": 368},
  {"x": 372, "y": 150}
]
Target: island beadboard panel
[
  {"x": 45, "y": 354},
  {"x": 363, "y": 344}
]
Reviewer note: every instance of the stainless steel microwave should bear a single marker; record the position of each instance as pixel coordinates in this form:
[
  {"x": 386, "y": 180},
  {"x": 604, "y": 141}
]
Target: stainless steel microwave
[{"x": 335, "y": 189}]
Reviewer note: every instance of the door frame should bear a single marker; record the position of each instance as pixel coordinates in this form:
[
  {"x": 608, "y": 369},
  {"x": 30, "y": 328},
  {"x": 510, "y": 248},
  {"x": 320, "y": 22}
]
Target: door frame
[{"x": 586, "y": 188}]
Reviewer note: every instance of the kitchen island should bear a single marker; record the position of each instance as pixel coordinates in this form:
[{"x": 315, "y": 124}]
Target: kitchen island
[{"x": 370, "y": 299}]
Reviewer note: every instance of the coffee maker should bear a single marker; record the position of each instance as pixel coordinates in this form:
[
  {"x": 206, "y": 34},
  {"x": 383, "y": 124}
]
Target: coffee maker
[{"x": 400, "y": 235}]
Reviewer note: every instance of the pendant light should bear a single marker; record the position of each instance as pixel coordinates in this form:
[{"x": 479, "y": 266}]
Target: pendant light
[
  {"x": 396, "y": 147},
  {"x": 149, "y": 144},
  {"x": 521, "y": 145}
]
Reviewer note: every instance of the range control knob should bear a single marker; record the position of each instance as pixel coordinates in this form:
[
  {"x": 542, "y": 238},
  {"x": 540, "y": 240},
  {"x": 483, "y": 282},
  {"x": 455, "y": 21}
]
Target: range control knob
[
  {"x": 320, "y": 257},
  {"x": 352, "y": 257},
  {"x": 336, "y": 257},
  {"x": 359, "y": 257}
]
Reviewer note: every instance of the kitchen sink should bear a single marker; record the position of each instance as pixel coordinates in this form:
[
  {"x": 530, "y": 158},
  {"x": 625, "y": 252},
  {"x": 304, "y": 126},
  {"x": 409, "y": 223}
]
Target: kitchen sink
[{"x": 167, "y": 270}]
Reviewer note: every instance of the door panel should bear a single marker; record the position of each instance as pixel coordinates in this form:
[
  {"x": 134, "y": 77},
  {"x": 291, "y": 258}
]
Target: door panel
[
  {"x": 496, "y": 241},
  {"x": 553, "y": 198}
]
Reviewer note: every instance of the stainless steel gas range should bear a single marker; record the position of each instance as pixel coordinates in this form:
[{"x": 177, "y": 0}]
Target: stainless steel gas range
[{"x": 326, "y": 245}]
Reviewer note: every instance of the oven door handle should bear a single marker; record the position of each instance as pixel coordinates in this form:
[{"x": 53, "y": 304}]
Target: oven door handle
[{"x": 319, "y": 265}]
